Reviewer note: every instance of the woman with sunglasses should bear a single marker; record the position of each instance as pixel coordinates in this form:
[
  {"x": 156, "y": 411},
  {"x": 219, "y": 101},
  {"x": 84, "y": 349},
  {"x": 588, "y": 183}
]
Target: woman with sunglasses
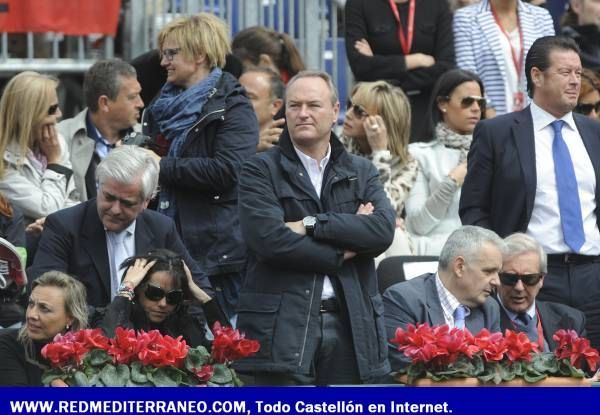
[
  {"x": 35, "y": 173},
  {"x": 377, "y": 126},
  {"x": 588, "y": 102},
  {"x": 153, "y": 295},
  {"x": 457, "y": 105}
]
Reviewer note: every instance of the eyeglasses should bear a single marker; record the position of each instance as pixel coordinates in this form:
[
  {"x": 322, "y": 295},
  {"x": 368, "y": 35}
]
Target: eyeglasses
[
  {"x": 168, "y": 54},
  {"x": 154, "y": 293},
  {"x": 466, "y": 102},
  {"x": 52, "y": 109},
  {"x": 586, "y": 109},
  {"x": 358, "y": 110},
  {"x": 507, "y": 278}
]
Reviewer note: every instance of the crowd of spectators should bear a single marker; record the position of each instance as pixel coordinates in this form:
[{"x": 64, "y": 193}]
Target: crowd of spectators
[{"x": 471, "y": 135}]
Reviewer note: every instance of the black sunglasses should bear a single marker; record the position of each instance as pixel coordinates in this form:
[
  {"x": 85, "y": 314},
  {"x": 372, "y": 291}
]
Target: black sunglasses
[
  {"x": 52, "y": 109},
  {"x": 586, "y": 109},
  {"x": 154, "y": 293},
  {"x": 466, "y": 102},
  {"x": 358, "y": 110},
  {"x": 507, "y": 278}
]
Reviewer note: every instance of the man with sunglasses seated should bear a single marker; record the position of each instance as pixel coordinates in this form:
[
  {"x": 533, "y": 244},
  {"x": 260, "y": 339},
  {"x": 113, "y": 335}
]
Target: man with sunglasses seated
[{"x": 522, "y": 277}]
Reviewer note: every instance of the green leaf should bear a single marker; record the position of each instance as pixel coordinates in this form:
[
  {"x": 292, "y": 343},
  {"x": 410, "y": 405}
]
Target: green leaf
[
  {"x": 114, "y": 376},
  {"x": 80, "y": 379},
  {"x": 532, "y": 377},
  {"x": 53, "y": 374},
  {"x": 196, "y": 358},
  {"x": 222, "y": 374},
  {"x": 97, "y": 357},
  {"x": 545, "y": 363},
  {"x": 137, "y": 374},
  {"x": 165, "y": 376}
]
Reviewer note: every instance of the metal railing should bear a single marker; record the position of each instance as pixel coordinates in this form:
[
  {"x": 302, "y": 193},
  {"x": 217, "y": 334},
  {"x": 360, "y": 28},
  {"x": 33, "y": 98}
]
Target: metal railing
[{"x": 312, "y": 23}]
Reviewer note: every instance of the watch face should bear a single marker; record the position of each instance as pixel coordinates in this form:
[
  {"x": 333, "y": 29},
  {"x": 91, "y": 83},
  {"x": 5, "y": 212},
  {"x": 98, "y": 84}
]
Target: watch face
[{"x": 309, "y": 221}]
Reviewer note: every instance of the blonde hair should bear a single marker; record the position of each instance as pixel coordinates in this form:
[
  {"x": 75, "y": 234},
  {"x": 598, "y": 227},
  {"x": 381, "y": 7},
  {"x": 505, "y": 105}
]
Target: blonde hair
[
  {"x": 201, "y": 34},
  {"x": 74, "y": 295},
  {"x": 23, "y": 107},
  {"x": 393, "y": 106}
]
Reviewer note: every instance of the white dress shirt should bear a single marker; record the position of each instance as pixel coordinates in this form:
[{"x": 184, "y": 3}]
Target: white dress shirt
[
  {"x": 316, "y": 171},
  {"x": 545, "y": 225}
]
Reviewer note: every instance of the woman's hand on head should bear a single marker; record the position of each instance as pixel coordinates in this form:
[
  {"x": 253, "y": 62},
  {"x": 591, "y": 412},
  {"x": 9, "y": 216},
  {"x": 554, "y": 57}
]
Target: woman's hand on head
[
  {"x": 197, "y": 292},
  {"x": 376, "y": 132},
  {"x": 49, "y": 144},
  {"x": 136, "y": 272}
]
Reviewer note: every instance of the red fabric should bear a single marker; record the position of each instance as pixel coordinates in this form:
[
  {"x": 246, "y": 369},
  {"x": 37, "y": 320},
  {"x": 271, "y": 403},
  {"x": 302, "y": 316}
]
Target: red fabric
[{"x": 71, "y": 17}]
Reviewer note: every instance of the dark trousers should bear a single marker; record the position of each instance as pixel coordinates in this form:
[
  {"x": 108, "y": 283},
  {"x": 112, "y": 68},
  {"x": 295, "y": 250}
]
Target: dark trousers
[
  {"x": 576, "y": 285},
  {"x": 227, "y": 290},
  {"x": 333, "y": 358}
]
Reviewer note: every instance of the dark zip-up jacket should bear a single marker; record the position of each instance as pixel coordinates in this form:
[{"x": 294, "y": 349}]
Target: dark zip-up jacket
[
  {"x": 205, "y": 178},
  {"x": 280, "y": 299}
]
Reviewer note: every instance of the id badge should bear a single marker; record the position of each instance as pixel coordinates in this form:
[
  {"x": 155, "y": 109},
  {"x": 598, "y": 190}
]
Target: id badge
[{"x": 518, "y": 101}]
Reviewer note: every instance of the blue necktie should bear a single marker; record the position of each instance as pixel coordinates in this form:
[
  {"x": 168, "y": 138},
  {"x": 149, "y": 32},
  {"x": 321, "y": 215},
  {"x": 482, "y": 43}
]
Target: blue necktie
[
  {"x": 459, "y": 317},
  {"x": 568, "y": 195}
]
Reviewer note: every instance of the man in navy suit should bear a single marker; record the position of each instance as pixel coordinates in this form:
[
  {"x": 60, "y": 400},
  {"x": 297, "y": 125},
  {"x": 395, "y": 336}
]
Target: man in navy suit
[
  {"x": 537, "y": 171},
  {"x": 457, "y": 295},
  {"x": 522, "y": 277},
  {"x": 90, "y": 240}
]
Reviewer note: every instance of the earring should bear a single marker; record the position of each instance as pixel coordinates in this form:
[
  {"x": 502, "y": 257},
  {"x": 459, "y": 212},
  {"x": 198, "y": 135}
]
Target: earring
[
  {"x": 443, "y": 109},
  {"x": 68, "y": 327}
]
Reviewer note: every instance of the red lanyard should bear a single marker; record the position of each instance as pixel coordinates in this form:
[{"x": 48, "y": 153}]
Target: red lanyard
[
  {"x": 518, "y": 62},
  {"x": 405, "y": 40}
]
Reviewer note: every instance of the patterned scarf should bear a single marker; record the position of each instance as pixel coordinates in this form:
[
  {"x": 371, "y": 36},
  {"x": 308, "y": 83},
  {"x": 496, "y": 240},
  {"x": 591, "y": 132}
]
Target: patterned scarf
[
  {"x": 452, "y": 139},
  {"x": 175, "y": 111}
]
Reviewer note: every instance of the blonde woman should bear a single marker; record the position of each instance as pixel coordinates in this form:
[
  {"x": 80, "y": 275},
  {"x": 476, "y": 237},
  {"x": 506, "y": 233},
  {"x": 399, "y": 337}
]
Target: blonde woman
[
  {"x": 209, "y": 129},
  {"x": 377, "y": 126},
  {"x": 35, "y": 173}
]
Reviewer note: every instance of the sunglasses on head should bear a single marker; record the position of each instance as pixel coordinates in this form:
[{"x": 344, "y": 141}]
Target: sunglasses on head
[
  {"x": 52, "y": 109},
  {"x": 358, "y": 110},
  {"x": 154, "y": 293},
  {"x": 586, "y": 109},
  {"x": 507, "y": 278}
]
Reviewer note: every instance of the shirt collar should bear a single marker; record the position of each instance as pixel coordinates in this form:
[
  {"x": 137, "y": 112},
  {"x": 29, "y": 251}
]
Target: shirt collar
[
  {"x": 448, "y": 301},
  {"x": 308, "y": 160},
  {"x": 542, "y": 118},
  {"x": 128, "y": 231},
  {"x": 512, "y": 315}
]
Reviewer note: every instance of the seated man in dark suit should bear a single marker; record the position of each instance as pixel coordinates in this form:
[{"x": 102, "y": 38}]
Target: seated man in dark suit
[
  {"x": 91, "y": 240},
  {"x": 457, "y": 295},
  {"x": 522, "y": 277}
]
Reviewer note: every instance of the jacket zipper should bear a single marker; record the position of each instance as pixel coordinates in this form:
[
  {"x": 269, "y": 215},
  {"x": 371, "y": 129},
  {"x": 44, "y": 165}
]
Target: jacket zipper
[{"x": 312, "y": 297}]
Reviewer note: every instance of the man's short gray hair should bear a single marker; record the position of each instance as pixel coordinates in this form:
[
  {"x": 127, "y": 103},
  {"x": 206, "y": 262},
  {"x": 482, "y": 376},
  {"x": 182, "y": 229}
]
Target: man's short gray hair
[
  {"x": 128, "y": 165},
  {"x": 316, "y": 74},
  {"x": 520, "y": 243},
  {"x": 467, "y": 241}
]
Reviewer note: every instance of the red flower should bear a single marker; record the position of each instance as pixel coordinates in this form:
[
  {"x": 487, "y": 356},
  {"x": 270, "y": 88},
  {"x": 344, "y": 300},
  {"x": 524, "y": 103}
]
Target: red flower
[
  {"x": 124, "y": 346},
  {"x": 519, "y": 347},
  {"x": 230, "y": 345},
  {"x": 455, "y": 343},
  {"x": 576, "y": 349},
  {"x": 492, "y": 345},
  {"x": 160, "y": 351},
  {"x": 94, "y": 339},
  {"x": 205, "y": 373},
  {"x": 64, "y": 350}
]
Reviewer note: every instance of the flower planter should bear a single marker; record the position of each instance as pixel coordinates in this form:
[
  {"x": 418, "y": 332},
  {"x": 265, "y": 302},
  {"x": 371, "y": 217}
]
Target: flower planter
[{"x": 551, "y": 381}]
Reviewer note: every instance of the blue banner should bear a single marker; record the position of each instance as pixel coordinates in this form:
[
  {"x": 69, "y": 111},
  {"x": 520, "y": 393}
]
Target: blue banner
[{"x": 333, "y": 400}]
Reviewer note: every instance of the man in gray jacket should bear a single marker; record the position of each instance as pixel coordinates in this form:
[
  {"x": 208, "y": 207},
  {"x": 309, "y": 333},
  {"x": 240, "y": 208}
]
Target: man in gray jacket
[
  {"x": 112, "y": 96},
  {"x": 457, "y": 295}
]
